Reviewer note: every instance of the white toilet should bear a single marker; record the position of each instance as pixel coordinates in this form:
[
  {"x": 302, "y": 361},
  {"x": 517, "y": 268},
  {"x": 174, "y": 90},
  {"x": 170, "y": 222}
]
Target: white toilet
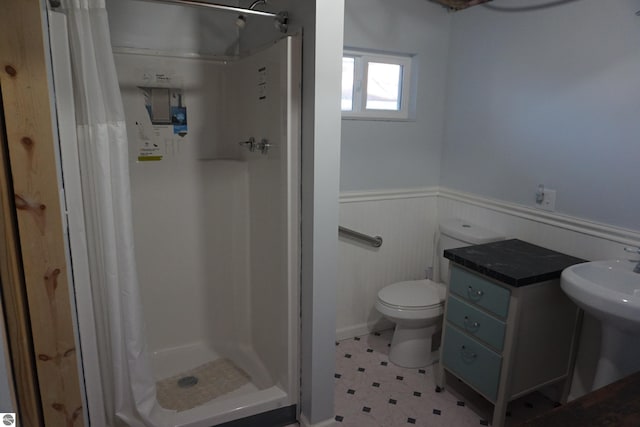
[{"x": 416, "y": 306}]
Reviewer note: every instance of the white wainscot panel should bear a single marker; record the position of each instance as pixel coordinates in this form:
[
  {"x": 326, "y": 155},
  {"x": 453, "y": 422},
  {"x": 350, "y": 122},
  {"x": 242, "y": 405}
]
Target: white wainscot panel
[{"x": 406, "y": 221}]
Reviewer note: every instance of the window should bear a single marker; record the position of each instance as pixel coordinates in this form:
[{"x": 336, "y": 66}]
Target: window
[{"x": 375, "y": 86}]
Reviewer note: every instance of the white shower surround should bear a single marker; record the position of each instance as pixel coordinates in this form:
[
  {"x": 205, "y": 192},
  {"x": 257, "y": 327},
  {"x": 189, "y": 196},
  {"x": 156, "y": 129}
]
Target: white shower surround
[
  {"x": 189, "y": 216},
  {"x": 181, "y": 254},
  {"x": 226, "y": 220}
]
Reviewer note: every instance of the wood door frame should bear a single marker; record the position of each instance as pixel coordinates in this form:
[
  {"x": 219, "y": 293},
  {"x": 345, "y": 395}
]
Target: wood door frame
[
  {"x": 14, "y": 298},
  {"x": 34, "y": 265}
]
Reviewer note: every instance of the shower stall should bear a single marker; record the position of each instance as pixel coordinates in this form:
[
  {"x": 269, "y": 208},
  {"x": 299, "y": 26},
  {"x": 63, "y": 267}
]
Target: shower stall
[{"x": 213, "y": 148}]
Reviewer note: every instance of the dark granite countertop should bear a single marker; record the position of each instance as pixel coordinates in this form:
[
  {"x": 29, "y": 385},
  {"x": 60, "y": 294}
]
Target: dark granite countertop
[
  {"x": 513, "y": 261},
  {"x": 617, "y": 404}
]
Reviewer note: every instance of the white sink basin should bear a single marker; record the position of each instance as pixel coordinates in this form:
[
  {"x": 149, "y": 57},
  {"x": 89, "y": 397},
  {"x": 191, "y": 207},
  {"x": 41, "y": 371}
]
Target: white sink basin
[{"x": 608, "y": 290}]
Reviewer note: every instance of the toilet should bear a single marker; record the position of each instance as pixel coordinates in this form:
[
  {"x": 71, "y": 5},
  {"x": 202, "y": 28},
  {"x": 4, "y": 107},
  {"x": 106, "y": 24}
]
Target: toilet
[{"x": 416, "y": 306}]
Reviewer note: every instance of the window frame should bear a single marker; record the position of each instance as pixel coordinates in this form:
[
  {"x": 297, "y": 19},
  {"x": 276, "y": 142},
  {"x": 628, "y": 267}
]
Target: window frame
[{"x": 360, "y": 81}]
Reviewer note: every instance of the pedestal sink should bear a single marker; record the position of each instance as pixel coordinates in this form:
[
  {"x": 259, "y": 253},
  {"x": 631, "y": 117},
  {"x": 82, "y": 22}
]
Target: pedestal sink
[{"x": 610, "y": 291}]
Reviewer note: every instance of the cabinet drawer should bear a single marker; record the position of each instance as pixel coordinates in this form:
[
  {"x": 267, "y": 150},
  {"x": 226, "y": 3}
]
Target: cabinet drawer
[
  {"x": 472, "y": 362},
  {"x": 476, "y": 323},
  {"x": 479, "y": 291}
]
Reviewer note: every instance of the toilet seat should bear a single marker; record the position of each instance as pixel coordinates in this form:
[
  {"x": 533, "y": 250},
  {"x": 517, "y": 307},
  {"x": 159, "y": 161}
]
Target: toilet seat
[{"x": 411, "y": 295}]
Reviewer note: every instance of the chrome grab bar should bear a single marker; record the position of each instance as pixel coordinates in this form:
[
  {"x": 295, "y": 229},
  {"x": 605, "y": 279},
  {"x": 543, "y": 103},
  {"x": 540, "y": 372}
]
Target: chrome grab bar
[{"x": 376, "y": 241}]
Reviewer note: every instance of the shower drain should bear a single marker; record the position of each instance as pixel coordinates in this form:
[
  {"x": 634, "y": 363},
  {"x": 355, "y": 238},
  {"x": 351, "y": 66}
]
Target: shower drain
[{"x": 186, "y": 382}]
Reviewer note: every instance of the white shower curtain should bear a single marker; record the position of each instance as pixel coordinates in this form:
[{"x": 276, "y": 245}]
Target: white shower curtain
[{"x": 128, "y": 386}]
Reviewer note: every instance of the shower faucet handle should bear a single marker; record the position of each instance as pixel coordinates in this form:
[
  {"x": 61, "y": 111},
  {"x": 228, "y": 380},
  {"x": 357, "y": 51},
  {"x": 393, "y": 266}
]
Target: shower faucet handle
[
  {"x": 264, "y": 145},
  {"x": 250, "y": 144}
]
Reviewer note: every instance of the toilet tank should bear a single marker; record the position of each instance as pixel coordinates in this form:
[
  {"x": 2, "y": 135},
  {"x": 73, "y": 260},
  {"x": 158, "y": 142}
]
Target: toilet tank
[{"x": 456, "y": 233}]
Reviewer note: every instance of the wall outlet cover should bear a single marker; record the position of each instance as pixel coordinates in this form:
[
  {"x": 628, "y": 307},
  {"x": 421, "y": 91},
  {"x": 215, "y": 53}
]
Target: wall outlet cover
[{"x": 548, "y": 200}]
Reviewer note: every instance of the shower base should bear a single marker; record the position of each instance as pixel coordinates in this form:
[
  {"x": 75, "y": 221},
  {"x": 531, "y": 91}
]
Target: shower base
[
  {"x": 258, "y": 394},
  {"x": 178, "y": 360},
  {"x": 200, "y": 385}
]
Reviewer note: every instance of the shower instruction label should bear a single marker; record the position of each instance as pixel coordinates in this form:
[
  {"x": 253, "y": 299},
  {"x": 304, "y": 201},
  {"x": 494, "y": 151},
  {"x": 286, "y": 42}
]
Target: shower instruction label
[{"x": 161, "y": 130}]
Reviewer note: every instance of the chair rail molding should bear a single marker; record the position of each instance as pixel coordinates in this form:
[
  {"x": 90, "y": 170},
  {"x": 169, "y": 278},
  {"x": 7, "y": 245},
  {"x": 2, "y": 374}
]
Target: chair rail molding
[{"x": 567, "y": 222}]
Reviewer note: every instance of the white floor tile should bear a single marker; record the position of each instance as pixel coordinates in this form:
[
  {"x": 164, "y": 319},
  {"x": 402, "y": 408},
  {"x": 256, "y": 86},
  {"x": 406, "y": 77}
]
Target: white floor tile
[{"x": 370, "y": 391}]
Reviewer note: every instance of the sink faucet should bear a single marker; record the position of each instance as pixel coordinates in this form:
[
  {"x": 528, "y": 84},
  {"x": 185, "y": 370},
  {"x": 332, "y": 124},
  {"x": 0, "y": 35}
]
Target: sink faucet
[{"x": 636, "y": 269}]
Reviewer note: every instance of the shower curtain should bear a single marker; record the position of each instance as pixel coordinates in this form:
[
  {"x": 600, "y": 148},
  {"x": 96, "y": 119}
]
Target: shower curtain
[{"x": 127, "y": 381}]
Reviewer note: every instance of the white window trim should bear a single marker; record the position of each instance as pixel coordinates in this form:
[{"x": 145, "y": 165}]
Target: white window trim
[{"x": 361, "y": 58}]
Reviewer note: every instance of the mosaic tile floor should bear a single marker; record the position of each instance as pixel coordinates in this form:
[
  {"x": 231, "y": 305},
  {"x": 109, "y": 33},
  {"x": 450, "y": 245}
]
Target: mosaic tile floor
[{"x": 370, "y": 391}]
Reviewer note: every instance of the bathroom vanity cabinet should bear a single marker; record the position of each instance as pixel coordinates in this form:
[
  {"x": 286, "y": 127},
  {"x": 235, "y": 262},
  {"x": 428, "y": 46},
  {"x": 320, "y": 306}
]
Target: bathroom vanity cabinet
[{"x": 508, "y": 328}]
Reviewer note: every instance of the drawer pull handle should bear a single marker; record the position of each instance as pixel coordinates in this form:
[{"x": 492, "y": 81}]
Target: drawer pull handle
[
  {"x": 471, "y": 324},
  {"x": 467, "y": 354},
  {"x": 475, "y": 293}
]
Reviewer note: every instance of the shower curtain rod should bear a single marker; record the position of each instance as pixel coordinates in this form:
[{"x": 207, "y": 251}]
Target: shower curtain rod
[
  {"x": 200, "y": 3},
  {"x": 243, "y": 10}
]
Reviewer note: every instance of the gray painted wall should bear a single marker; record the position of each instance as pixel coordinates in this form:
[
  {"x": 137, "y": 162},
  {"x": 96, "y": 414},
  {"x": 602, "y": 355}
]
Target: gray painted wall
[
  {"x": 547, "y": 97},
  {"x": 390, "y": 155}
]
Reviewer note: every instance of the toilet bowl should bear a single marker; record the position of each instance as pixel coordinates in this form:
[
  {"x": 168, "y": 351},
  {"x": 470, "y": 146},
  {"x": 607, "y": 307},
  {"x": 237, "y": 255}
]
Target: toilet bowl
[{"x": 416, "y": 307}]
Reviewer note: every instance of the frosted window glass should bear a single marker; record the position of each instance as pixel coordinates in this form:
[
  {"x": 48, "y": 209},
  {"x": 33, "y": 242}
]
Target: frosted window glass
[
  {"x": 383, "y": 86},
  {"x": 348, "y": 67}
]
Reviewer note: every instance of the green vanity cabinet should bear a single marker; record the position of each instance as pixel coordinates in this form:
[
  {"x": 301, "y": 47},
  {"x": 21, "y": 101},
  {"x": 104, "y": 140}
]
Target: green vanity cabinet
[
  {"x": 479, "y": 291},
  {"x": 473, "y": 362},
  {"x": 505, "y": 340},
  {"x": 477, "y": 324}
]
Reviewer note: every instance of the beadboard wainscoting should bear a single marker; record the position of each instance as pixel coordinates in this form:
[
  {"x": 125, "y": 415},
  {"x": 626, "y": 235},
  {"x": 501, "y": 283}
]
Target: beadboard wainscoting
[{"x": 407, "y": 221}]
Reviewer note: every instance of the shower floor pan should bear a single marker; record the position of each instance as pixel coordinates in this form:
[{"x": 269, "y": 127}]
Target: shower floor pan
[
  {"x": 202, "y": 384},
  {"x": 249, "y": 395}
]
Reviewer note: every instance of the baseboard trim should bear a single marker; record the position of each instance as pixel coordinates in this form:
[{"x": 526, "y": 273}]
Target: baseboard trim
[
  {"x": 276, "y": 417},
  {"x": 363, "y": 329},
  {"x": 327, "y": 423}
]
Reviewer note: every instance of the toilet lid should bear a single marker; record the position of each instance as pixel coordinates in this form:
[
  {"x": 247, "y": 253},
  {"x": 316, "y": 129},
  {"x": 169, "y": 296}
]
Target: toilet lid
[{"x": 414, "y": 293}]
